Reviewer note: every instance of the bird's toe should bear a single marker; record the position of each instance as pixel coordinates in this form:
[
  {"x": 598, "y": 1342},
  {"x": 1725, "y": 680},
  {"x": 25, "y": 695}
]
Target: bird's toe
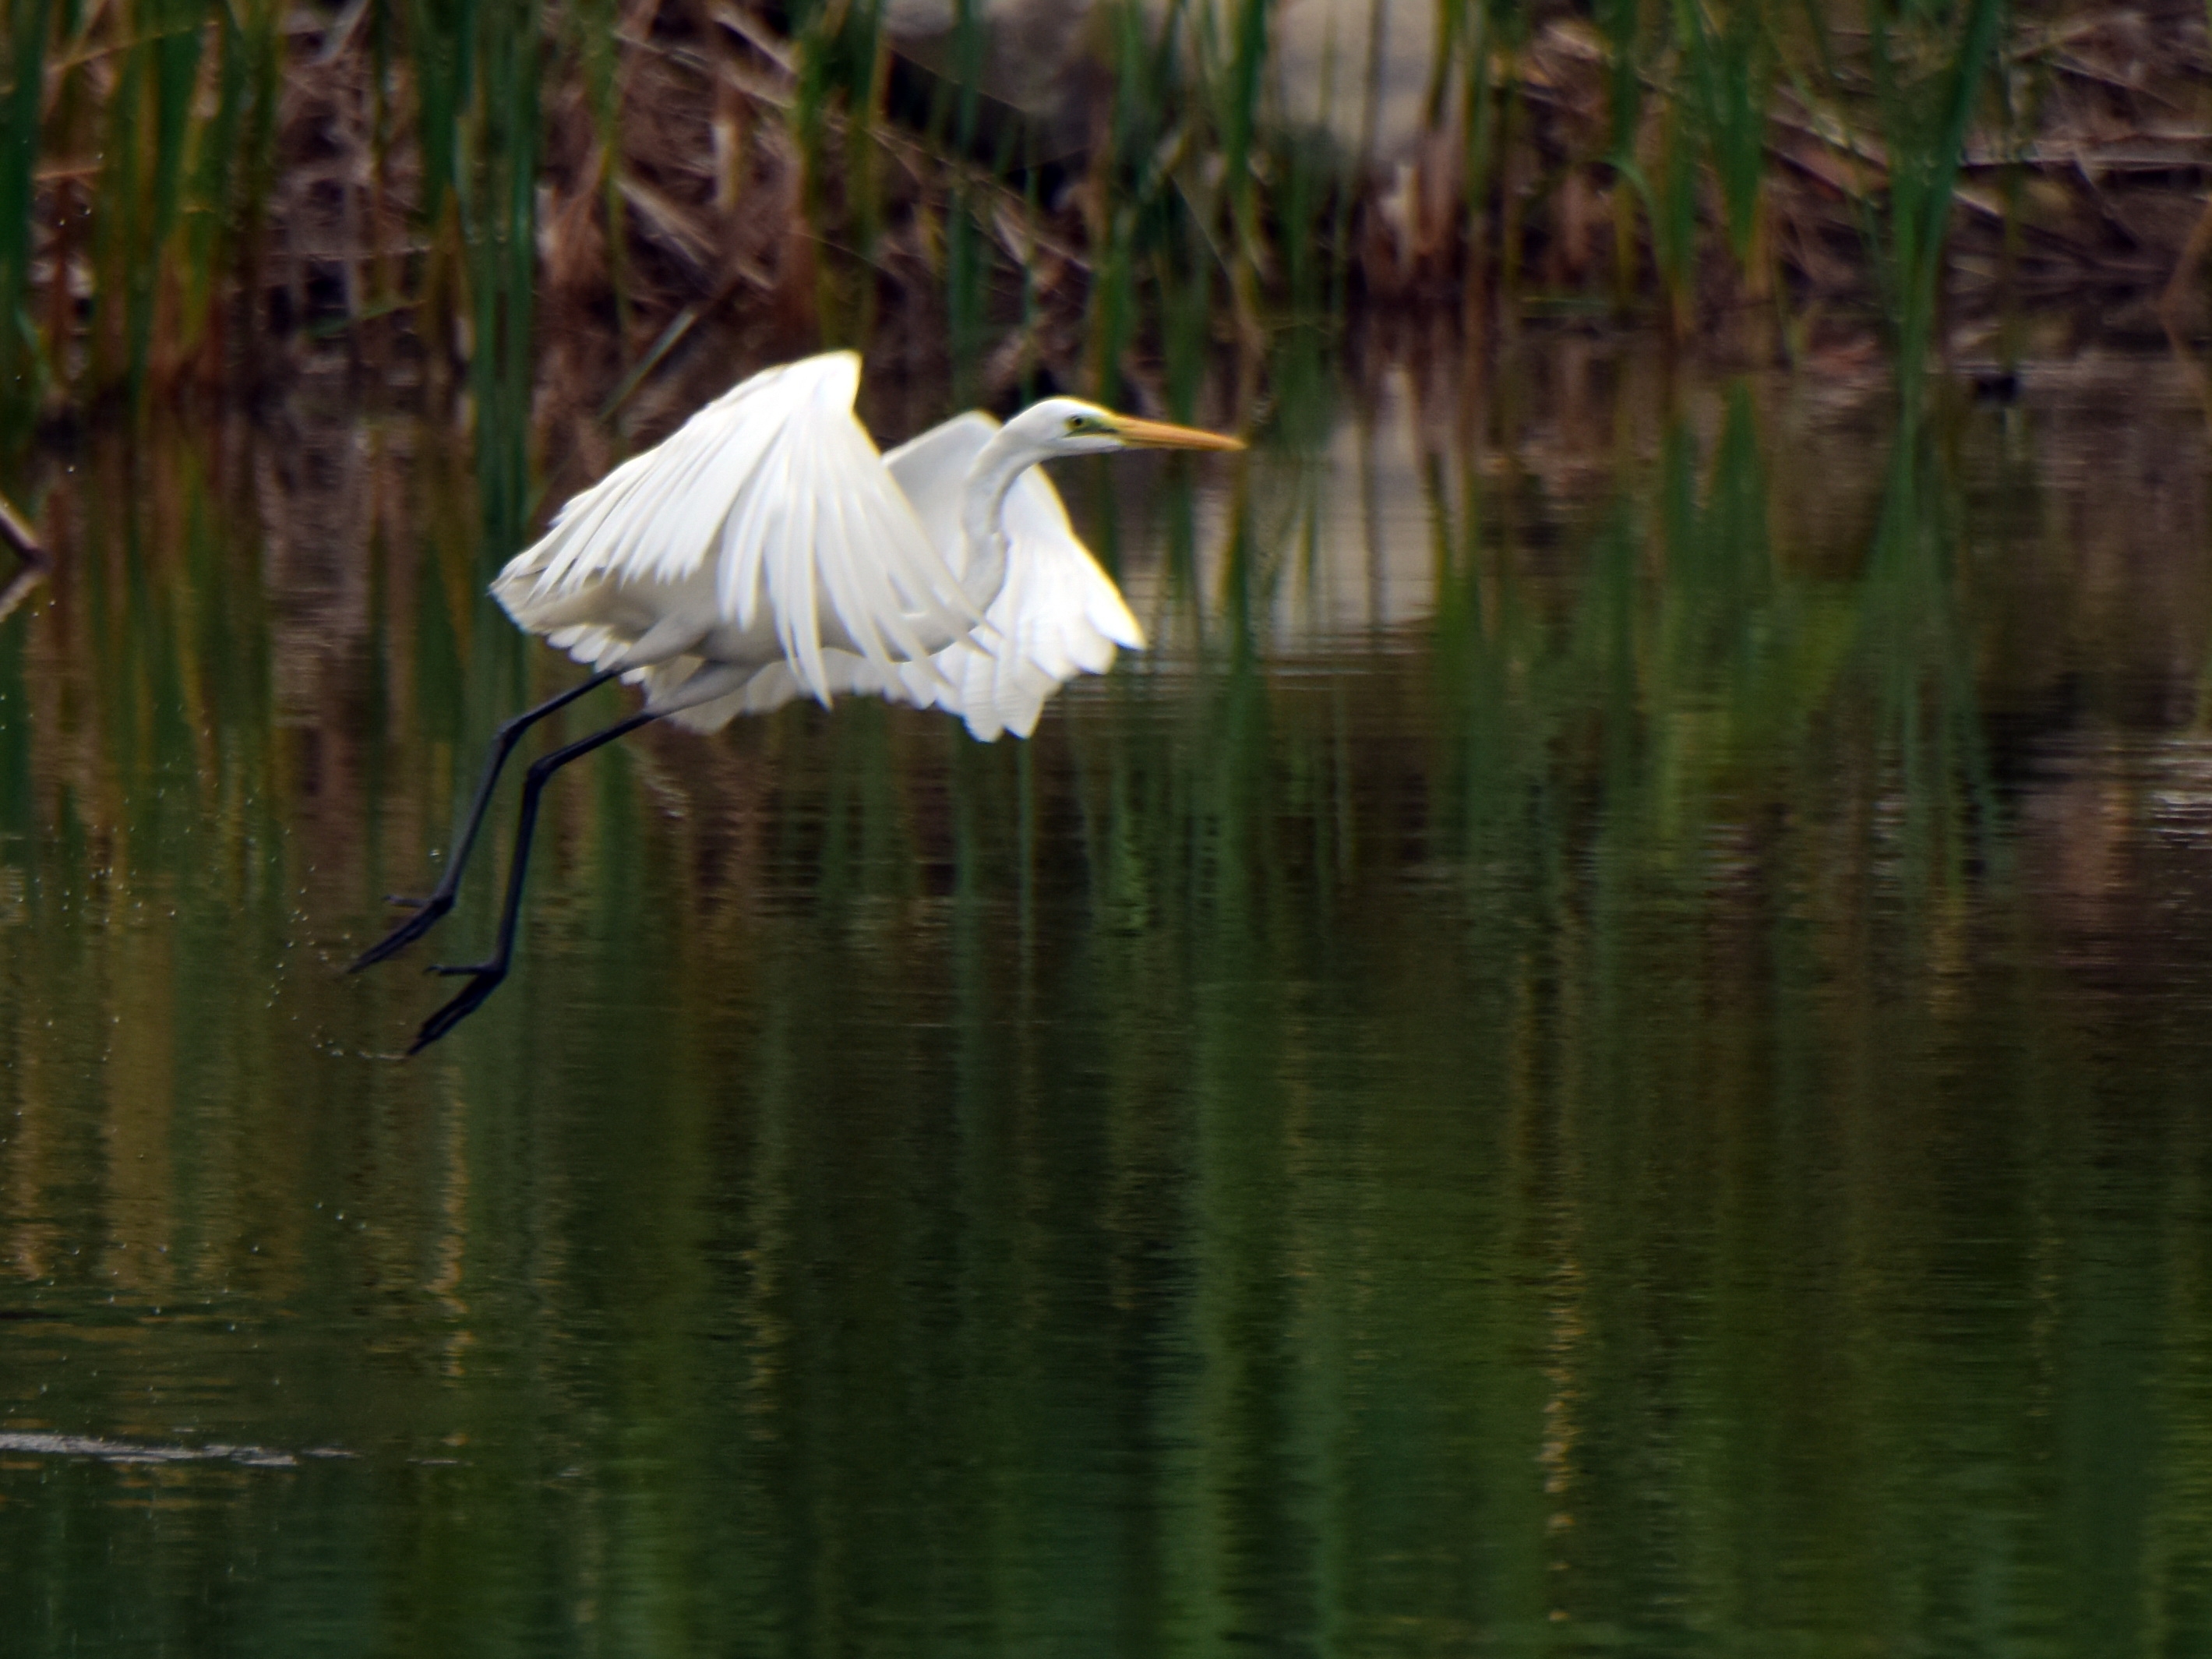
[
  {"x": 404, "y": 935},
  {"x": 452, "y": 1013}
]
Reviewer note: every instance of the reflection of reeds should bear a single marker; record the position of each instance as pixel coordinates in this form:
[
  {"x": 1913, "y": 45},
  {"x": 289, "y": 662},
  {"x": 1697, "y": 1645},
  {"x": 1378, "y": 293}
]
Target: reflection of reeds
[
  {"x": 189, "y": 188},
  {"x": 1632, "y": 871}
]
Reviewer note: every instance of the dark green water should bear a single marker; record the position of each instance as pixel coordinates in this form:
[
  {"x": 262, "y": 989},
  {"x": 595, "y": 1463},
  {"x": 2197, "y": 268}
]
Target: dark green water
[{"x": 1605, "y": 1051}]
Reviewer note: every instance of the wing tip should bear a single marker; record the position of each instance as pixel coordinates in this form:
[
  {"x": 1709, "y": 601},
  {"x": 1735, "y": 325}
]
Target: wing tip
[{"x": 836, "y": 372}]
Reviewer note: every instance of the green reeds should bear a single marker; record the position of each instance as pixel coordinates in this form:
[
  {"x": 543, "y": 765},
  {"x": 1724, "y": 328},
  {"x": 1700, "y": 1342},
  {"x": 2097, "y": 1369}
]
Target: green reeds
[
  {"x": 1125, "y": 188},
  {"x": 502, "y": 248},
  {"x": 1732, "y": 85},
  {"x": 594, "y": 23},
  {"x": 1620, "y": 22},
  {"x": 144, "y": 133},
  {"x": 478, "y": 69},
  {"x": 1237, "y": 114},
  {"x": 1928, "y": 58},
  {"x": 26, "y": 46},
  {"x": 967, "y": 251},
  {"x": 147, "y": 193},
  {"x": 237, "y": 129}
]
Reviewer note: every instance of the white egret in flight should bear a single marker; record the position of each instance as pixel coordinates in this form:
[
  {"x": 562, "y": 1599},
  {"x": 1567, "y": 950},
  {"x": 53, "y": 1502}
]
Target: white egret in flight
[{"x": 766, "y": 550}]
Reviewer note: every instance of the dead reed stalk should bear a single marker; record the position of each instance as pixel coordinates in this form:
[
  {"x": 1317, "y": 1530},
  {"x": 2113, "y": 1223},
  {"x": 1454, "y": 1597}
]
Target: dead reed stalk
[{"x": 543, "y": 201}]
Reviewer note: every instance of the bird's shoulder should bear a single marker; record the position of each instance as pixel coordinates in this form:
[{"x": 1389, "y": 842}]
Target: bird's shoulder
[
  {"x": 931, "y": 470},
  {"x": 949, "y": 446}
]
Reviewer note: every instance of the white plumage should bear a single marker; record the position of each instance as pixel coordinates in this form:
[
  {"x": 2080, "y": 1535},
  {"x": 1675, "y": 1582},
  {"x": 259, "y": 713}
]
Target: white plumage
[
  {"x": 766, "y": 550},
  {"x": 1057, "y": 614}
]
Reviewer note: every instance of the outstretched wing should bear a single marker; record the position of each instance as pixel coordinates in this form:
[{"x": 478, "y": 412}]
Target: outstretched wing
[
  {"x": 769, "y": 512},
  {"x": 932, "y": 472},
  {"x": 1058, "y": 615}
]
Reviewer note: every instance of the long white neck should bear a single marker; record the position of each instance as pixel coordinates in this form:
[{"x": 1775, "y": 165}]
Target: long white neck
[{"x": 983, "y": 513}]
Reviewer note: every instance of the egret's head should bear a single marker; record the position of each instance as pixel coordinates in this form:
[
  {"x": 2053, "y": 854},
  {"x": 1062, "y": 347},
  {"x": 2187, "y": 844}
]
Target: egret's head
[{"x": 1069, "y": 426}]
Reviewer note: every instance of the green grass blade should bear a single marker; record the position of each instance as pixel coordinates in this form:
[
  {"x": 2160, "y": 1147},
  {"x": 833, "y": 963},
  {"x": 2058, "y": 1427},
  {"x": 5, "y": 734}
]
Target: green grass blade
[{"x": 19, "y": 124}]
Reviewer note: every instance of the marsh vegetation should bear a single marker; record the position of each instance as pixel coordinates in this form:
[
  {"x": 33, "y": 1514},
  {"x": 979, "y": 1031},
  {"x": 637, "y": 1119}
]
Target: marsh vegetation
[
  {"x": 1600, "y": 1049},
  {"x": 1602, "y": 1046},
  {"x": 543, "y": 200}
]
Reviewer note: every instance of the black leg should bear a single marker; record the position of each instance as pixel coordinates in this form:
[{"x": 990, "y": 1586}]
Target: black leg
[
  {"x": 484, "y": 977},
  {"x": 428, "y": 910}
]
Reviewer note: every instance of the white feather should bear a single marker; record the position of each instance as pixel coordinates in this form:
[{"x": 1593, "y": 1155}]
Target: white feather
[
  {"x": 1057, "y": 615},
  {"x": 765, "y": 531},
  {"x": 765, "y": 550}
]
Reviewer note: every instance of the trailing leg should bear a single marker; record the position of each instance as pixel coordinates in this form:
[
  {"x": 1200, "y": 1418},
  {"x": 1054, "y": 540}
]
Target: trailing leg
[
  {"x": 440, "y": 899},
  {"x": 484, "y": 977}
]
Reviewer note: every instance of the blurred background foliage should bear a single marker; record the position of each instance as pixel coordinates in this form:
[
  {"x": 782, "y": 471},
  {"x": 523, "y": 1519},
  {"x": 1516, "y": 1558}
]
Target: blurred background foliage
[
  {"x": 1602, "y": 1047},
  {"x": 541, "y": 200}
]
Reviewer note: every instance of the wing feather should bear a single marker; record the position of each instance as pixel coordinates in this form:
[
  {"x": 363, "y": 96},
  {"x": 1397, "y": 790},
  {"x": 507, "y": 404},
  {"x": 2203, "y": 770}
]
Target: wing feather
[
  {"x": 933, "y": 470},
  {"x": 1058, "y": 615},
  {"x": 776, "y": 497}
]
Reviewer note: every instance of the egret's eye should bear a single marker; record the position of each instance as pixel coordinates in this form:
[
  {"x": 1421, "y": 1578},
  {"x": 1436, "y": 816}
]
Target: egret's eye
[{"x": 1075, "y": 423}]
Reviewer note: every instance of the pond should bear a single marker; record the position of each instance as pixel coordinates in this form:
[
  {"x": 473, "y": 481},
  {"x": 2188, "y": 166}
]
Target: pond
[{"x": 1603, "y": 1049}]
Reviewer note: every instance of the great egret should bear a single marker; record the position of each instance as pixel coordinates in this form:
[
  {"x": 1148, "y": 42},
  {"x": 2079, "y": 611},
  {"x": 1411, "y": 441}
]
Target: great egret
[{"x": 766, "y": 550}]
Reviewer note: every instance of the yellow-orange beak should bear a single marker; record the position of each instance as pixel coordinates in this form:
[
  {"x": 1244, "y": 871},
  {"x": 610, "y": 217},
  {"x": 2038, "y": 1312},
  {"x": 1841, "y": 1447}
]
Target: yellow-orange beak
[{"x": 1162, "y": 435}]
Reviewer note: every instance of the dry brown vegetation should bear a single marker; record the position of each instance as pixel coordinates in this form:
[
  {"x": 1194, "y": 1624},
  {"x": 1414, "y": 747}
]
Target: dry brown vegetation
[{"x": 552, "y": 200}]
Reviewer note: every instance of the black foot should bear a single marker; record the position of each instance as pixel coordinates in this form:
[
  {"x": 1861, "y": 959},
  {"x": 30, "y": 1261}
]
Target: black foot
[
  {"x": 471, "y": 998},
  {"x": 427, "y": 913}
]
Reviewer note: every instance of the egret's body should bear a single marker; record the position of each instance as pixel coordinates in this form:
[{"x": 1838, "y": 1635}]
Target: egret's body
[{"x": 766, "y": 551}]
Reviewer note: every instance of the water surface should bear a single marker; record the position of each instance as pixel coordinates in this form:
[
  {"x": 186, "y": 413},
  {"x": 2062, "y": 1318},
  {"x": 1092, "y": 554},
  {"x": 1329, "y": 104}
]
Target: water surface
[{"x": 1603, "y": 1050}]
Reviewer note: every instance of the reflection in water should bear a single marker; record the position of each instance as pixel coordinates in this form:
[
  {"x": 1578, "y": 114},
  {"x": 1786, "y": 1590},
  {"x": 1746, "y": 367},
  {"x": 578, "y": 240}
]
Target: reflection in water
[
  {"x": 1604, "y": 1049},
  {"x": 140, "y": 1451}
]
